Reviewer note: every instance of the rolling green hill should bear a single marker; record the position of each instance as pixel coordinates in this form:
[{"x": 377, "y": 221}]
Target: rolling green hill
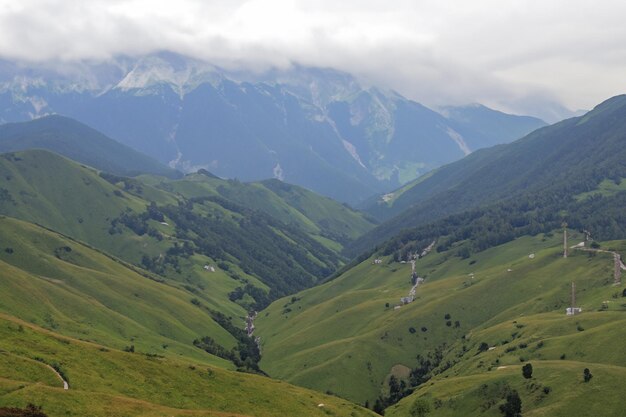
[
  {"x": 81, "y": 143},
  {"x": 166, "y": 232},
  {"x": 351, "y": 334},
  {"x": 68, "y": 288},
  {"x": 555, "y": 163},
  {"x": 105, "y": 382}
]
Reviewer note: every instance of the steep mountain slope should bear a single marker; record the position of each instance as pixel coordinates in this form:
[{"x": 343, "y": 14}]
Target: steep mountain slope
[
  {"x": 352, "y": 334},
  {"x": 106, "y": 382},
  {"x": 553, "y": 163},
  {"x": 317, "y": 128},
  {"x": 76, "y": 141}
]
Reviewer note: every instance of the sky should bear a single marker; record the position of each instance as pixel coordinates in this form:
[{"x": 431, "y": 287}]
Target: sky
[{"x": 522, "y": 56}]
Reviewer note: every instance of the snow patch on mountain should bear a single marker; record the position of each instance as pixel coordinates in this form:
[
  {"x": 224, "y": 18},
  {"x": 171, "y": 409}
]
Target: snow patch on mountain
[
  {"x": 456, "y": 137},
  {"x": 152, "y": 71}
]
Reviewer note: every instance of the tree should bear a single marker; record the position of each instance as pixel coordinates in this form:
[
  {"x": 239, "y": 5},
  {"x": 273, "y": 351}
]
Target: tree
[
  {"x": 513, "y": 405},
  {"x": 587, "y": 375},
  {"x": 420, "y": 408},
  {"x": 527, "y": 371}
]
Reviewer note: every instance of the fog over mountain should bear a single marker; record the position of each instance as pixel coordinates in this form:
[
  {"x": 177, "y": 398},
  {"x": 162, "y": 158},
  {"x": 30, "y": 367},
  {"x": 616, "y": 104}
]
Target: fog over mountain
[{"x": 541, "y": 59}]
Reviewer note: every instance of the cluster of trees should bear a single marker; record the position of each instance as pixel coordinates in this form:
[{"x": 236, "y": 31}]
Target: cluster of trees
[
  {"x": 419, "y": 375},
  {"x": 261, "y": 298},
  {"x": 277, "y": 254},
  {"x": 283, "y": 257},
  {"x": 138, "y": 223}
]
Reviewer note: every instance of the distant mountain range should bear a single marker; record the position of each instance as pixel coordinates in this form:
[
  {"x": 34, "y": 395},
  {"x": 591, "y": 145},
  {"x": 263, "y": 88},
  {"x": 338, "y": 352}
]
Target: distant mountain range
[{"x": 317, "y": 128}]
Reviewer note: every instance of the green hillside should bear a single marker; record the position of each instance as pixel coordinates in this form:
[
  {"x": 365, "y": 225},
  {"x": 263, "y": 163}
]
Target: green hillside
[
  {"x": 546, "y": 169},
  {"x": 105, "y": 382},
  {"x": 347, "y": 335},
  {"x": 331, "y": 223},
  {"x": 81, "y": 143},
  {"x": 68, "y": 288},
  {"x": 171, "y": 235}
]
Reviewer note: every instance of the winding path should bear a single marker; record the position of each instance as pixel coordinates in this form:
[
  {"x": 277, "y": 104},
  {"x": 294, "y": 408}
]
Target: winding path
[{"x": 66, "y": 386}]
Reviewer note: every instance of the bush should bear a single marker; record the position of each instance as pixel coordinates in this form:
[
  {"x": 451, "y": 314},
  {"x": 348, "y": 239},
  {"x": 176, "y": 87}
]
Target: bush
[
  {"x": 587, "y": 375},
  {"x": 527, "y": 371},
  {"x": 513, "y": 405},
  {"x": 483, "y": 347},
  {"x": 420, "y": 408}
]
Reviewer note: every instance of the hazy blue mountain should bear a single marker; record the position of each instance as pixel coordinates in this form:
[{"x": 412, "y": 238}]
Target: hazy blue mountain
[
  {"x": 80, "y": 143},
  {"x": 482, "y": 127},
  {"x": 317, "y": 128}
]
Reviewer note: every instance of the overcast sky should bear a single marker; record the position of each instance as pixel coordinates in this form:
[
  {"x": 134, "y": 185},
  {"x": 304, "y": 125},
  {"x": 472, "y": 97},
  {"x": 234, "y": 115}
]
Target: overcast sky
[{"x": 510, "y": 54}]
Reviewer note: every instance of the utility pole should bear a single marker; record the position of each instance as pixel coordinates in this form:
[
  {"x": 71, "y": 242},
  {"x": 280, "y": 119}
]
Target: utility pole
[
  {"x": 565, "y": 240},
  {"x": 618, "y": 268},
  {"x": 573, "y": 296}
]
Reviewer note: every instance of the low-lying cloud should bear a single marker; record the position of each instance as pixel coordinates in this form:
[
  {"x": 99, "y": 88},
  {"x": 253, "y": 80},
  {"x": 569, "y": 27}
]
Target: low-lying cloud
[{"x": 512, "y": 55}]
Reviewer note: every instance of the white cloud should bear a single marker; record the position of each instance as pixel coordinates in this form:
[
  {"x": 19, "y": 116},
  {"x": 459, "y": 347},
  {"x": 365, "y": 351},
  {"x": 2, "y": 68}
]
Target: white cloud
[{"x": 504, "y": 54}]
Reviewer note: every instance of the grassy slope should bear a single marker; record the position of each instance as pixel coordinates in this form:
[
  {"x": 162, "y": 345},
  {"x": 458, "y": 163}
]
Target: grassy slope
[
  {"x": 328, "y": 221},
  {"x": 86, "y": 294},
  {"x": 77, "y": 202},
  {"x": 341, "y": 337},
  {"x": 107, "y": 382}
]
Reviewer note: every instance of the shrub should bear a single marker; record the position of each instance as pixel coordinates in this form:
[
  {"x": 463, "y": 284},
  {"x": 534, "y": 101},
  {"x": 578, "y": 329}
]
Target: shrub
[
  {"x": 420, "y": 408},
  {"x": 587, "y": 375},
  {"x": 527, "y": 371},
  {"x": 513, "y": 405}
]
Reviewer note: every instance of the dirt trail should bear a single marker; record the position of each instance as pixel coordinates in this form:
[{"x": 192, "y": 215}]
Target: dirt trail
[{"x": 66, "y": 386}]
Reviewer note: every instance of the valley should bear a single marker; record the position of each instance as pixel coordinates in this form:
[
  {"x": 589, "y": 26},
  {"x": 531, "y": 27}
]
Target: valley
[{"x": 211, "y": 262}]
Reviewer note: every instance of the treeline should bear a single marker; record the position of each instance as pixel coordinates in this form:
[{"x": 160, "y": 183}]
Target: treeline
[{"x": 529, "y": 214}]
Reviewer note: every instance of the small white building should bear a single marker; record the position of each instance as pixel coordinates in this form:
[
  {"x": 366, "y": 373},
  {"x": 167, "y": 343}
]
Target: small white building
[{"x": 570, "y": 311}]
